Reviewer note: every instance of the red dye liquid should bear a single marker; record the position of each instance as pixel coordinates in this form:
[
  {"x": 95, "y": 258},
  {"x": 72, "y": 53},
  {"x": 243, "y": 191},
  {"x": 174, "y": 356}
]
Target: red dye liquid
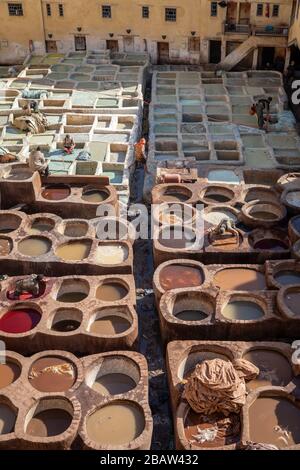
[{"x": 19, "y": 321}]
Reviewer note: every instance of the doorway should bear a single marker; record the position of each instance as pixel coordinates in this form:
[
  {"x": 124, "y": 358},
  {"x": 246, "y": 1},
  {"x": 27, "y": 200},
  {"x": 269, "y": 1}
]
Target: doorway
[
  {"x": 214, "y": 52},
  {"x": 128, "y": 44},
  {"x": 163, "y": 53},
  {"x": 244, "y": 13},
  {"x": 51, "y": 46},
  {"x": 80, "y": 43},
  {"x": 112, "y": 45},
  {"x": 265, "y": 56},
  {"x": 231, "y": 15}
]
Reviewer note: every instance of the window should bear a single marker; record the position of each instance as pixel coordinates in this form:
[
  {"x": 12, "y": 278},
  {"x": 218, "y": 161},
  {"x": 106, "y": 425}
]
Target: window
[
  {"x": 259, "y": 9},
  {"x": 214, "y": 9},
  {"x": 106, "y": 11},
  {"x": 194, "y": 44},
  {"x": 60, "y": 9},
  {"x": 145, "y": 12},
  {"x": 275, "y": 11},
  {"x": 48, "y": 8},
  {"x": 15, "y": 9},
  {"x": 170, "y": 14}
]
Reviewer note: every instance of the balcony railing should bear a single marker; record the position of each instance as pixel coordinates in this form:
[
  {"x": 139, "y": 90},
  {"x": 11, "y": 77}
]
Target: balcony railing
[
  {"x": 237, "y": 28},
  {"x": 269, "y": 30}
]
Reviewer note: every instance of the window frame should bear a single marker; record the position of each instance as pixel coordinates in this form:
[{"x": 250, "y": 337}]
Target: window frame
[
  {"x": 48, "y": 9},
  {"x": 18, "y": 7},
  {"x": 275, "y": 8},
  {"x": 61, "y": 10},
  {"x": 213, "y": 9},
  {"x": 107, "y": 16},
  {"x": 259, "y": 9},
  {"x": 145, "y": 12},
  {"x": 170, "y": 14}
]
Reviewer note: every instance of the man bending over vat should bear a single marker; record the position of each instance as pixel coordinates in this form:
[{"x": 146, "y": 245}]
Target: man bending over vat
[{"x": 38, "y": 162}]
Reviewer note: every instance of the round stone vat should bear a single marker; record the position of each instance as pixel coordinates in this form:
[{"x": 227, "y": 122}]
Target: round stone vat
[
  {"x": 94, "y": 195},
  {"x": 242, "y": 307},
  {"x": 112, "y": 290},
  {"x": 285, "y": 273},
  {"x": 113, "y": 228},
  {"x": 179, "y": 275},
  {"x": 74, "y": 228},
  {"x": 274, "y": 368},
  {"x": 52, "y": 374},
  {"x": 8, "y": 416},
  {"x": 296, "y": 250},
  {"x": 9, "y": 222},
  {"x": 72, "y": 290},
  {"x": 217, "y": 195},
  {"x": 294, "y": 228},
  {"x": 56, "y": 192},
  {"x": 21, "y": 318},
  {"x": 291, "y": 199},
  {"x": 41, "y": 224},
  {"x": 274, "y": 419},
  {"x": 178, "y": 237},
  {"x": 258, "y": 193},
  {"x": 118, "y": 423},
  {"x": 6, "y": 246},
  {"x": 114, "y": 375},
  {"x": 49, "y": 417},
  {"x": 191, "y": 306},
  {"x": 176, "y": 213},
  {"x": 74, "y": 250},
  {"x": 175, "y": 193},
  {"x": 240, "y": 278},
  {"x": 288, "y": 299},
  {"x": 213, "y": 215},
  {"x": 269, "y": 239},
  {"x": 26, "y": 295},
  {"x": 110, "y": 321},
  {"x": 262, "y": 214},
  {"x": 66, "y": 320},
  {"x": 10, "y": 371},
  {"x": 34, "y": 246},
  {"x": 111, "y": 253}
]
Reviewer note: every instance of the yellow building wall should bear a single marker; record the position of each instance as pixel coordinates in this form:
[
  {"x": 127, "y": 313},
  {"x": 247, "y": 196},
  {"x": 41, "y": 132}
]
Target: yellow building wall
[{"x": 192, "y": 15}]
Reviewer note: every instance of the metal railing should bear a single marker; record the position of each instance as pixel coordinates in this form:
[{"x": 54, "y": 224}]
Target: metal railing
[
  {"x": 237, "y": 28},
  {"x": 269, "y": 30}
]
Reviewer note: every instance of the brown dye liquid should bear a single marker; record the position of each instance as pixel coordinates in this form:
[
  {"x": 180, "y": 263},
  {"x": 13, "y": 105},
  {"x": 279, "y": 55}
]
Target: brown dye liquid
[
  {"x": 174, "y": 196},
  {"x": 110, "y": 325},
  {"x": 52, "y": 374},
  {"x": 263, "y": 215},
  {"x": 240, "y": 279},
  {"x": 34, "y": 246},
  {"x": 75, "y": 230},
  {"x": 191, "y": 315},
  {"x": 5, "y": 247},
  {"x": 7, "y": 419},
  {"x": 9, "y": 372},
  {"x": 73, "y": 251},
  {"x": 70, "y": 297},
  {"x": 287, "y": 277},
  {"x": 213, "y": 431},
  {"x": 274, "y": 368},
  {"x": 49, "y": 423},
  {"x": 113, "y": 384},
  {"x": 40, "y": 227},
  {"x": 56, "y": 193},
  {"x": 216, "y": 198},
  {"x": 270, "y": 244},
  {"x": 292, "y": 300},
  {"x": 175, "y": 240},
  {"x": 94, "y": 195},
  {"x": 274, "y": 421},
  {"x": 111, "y": 292},
  {"x": 176, "y": 276},
  {"x": 242, "y": 310},
  {"x": 115, "y": 424},
  {"x": 66, "y": 326}
]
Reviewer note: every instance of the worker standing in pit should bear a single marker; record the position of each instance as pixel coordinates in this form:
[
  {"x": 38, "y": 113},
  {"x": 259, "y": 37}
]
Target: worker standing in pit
[
  {"x": 262, "y": 111},
  {"x": 140, "y": 152}
]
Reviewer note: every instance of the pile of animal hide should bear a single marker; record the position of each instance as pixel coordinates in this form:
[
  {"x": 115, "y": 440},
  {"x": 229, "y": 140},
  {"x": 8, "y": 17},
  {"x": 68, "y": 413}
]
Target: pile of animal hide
[{"x": 35, "y": 124}]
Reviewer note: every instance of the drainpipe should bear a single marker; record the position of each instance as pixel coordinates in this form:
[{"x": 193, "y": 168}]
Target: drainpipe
[{"x": 43, "y": 21}]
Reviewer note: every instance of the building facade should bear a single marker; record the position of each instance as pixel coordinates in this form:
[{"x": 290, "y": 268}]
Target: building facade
[{"x": 189, "y": 31}]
